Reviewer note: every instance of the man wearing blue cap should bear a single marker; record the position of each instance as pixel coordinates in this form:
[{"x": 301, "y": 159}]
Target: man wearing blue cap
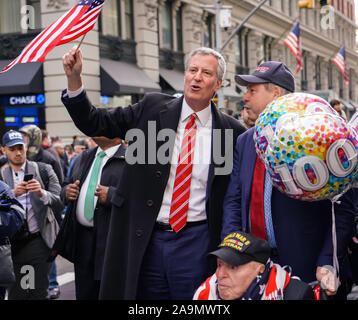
[
  {"x": 36, "y": 187},
  {"x": 299, "y": 231},
  {"x": 269, "y": 81}
]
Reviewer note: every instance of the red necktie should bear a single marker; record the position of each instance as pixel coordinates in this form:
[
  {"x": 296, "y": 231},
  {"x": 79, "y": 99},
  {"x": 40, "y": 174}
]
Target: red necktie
[
  {"x": 181, "y": 192},
  {"x": 258, "y": 227}
]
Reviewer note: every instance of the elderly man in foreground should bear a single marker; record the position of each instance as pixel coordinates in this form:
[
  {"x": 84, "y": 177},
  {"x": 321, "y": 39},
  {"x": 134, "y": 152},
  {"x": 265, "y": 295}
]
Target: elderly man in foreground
[{"x": 245, "y": 272}]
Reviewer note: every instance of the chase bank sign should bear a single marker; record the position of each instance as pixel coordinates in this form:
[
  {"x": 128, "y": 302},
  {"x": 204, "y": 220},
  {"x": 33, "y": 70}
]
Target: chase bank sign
[{"x": 26, "y": 100}]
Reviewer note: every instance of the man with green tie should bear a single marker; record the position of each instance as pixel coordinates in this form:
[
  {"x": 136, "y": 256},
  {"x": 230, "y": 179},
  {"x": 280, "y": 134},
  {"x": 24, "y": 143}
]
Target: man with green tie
[{"x": 87, "y": 192}]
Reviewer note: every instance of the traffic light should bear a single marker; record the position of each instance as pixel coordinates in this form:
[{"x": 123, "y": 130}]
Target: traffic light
[
  {"x": 306, "y": 4},
  {"x": 323, "y": 3}
]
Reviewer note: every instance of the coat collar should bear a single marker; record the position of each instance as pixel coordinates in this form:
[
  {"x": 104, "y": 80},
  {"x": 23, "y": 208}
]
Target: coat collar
[{"x": 170, "y": 115}]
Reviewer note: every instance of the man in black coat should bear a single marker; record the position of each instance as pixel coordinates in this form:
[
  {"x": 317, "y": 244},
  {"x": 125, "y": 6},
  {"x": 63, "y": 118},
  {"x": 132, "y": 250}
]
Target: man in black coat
[
  {"x": 155, "y": 251},
  {"x": 82, "y": 238}
]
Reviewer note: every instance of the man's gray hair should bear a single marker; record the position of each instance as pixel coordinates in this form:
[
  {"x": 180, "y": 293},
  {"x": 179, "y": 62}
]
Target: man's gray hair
[
  {"x": 220, "y": 72},
  {"x": 269, "y": 86}
]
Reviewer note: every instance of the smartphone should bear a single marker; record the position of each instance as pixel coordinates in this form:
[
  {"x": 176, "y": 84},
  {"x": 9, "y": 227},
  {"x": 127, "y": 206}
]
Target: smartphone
[{"x": 28, "y": 177}]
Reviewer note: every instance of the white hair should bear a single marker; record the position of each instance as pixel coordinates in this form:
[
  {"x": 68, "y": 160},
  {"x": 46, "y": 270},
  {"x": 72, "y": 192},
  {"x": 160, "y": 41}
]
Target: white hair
[{"x": 220, "y": 72}]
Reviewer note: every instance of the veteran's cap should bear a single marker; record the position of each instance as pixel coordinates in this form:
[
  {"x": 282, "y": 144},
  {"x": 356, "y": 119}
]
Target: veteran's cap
[{"x": 240, "y": 248}]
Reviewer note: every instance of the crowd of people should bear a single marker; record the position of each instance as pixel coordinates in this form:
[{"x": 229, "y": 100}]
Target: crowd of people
[{"x": 180, "y": 229}]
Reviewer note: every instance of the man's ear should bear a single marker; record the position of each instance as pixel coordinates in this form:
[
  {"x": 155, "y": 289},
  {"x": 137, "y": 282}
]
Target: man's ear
[
  {"x": 277, "y": 92},
  {"x": 218, "y": 85},
  {"x": 261, "y": 268}
]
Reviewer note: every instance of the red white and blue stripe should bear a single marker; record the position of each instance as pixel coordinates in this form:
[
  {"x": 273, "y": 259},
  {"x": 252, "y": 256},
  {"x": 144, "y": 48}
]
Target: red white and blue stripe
[
  {"x": 293, "y": 42},
  {"x": 74, "y": 23},
  {"x": 340, "y": 61}
]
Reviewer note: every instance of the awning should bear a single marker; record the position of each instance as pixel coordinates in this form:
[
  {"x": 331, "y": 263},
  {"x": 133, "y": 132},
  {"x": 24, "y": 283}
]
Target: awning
[
  {"x": 22, "y": 78},
  {"x": 174, "y": 78},
  {"x": 119, "y": 78}
]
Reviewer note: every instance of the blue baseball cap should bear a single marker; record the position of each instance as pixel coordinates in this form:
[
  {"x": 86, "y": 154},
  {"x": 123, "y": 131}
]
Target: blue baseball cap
[
  {"x": 269, "y": 71},
  {"x": 12, "y": 138}
]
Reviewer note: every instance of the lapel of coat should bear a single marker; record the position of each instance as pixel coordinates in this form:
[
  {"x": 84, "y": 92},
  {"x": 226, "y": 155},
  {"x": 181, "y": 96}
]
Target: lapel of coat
[
  {"x": 169, "y": 119},
  {"x": 121, "y": 152},
  {"x": 218, "y": 123},
  {"x": 248, "y": 163},
  {"x": 170, "y": 115},
  {"x": 86, "y": 162},
  {"x": 7, "y": 176}
]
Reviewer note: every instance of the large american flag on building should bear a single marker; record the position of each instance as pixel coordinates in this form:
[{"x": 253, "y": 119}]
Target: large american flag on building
[
  {"x": 74, "y": 23},
  {"x": 293, "y": 42},
  {"x": 340, "y": 61}
]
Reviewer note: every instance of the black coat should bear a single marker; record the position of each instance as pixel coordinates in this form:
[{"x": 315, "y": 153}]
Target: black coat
[
  {"x": 138, "y": 199},
  {"x": 67, "y": 242}
]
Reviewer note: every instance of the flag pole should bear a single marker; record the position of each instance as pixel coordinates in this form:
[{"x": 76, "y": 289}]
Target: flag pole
[{"x": 81, "y": 41}]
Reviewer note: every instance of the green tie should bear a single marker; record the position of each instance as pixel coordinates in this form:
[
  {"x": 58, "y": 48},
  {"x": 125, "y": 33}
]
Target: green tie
[{"x": 89, "y": 200}]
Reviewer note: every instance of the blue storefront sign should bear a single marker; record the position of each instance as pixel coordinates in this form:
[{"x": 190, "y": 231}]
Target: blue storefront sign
[{"x": 34, "y": 99}]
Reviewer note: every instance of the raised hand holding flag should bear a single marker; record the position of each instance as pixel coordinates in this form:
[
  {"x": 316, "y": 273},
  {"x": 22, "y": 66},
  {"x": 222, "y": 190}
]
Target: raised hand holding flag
[{"x": 74, "y": 23}]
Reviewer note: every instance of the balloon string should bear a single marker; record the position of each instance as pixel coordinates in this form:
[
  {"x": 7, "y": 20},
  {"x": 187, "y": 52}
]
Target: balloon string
[{"x": 334, "y": 242}]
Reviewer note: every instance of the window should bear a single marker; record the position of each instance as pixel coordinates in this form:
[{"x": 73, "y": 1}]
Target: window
[
  {"x": 10, "y": 16},
  {"x": 238, "y": 49},
  {"x": 241, "y": 52},
  {"x": 110, "y": 22},
  {"x": 11, "y": 20},
  {"x": 318, "y": 73},
  {"x": 208, "y": 31},
  {"x": 166, "y": 26},
  {"x": 304, "y": 82},
  {"x": 330, "y": 74},
  {"x": 267, "y": 49},
  {"x": 290, "y": 8},
  {"x": 350, "y": 84},
  {"x": 179, "y": 29},
  {"x": 340, "y": 81},
  {"x": 114, "y": 12},
  {"x": 246, "y": 41},
  {"x": 128, "y": 17},
  {"x": 37, "y": 11}
]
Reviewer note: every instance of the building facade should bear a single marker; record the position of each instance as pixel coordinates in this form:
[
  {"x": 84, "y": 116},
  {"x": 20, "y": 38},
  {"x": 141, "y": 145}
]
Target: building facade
[{"x": 139, "y": 46}]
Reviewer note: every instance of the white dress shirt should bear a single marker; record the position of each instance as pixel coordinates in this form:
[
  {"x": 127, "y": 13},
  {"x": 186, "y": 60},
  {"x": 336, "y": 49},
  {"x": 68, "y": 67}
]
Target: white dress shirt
[
  {"x": 24, "y": 199},
  {"x": 202, "y": 156},
  {"x": 80, "y": 212}
]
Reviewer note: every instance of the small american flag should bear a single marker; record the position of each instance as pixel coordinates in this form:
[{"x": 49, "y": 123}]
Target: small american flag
[
  {"x": 293, "y": 42},
  {"x": 340, "y": 61},
  {"x": 74, "y": 23}
]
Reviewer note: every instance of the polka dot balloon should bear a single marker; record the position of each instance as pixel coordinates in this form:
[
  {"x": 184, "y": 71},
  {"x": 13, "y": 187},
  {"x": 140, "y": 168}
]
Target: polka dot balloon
[
  {"x": 353, "y": 123},
  {"x": 309, "y": 151}
]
